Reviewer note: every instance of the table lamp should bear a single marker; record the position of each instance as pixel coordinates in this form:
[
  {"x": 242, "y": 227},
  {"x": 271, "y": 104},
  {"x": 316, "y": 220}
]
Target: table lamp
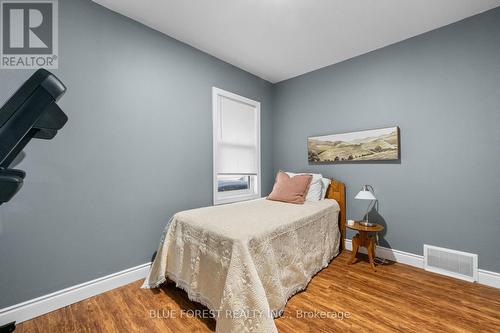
[{"x": 366, "y": 193}]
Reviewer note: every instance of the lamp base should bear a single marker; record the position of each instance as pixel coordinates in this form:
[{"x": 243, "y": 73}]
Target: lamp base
[{"x": 366, "y": 224}]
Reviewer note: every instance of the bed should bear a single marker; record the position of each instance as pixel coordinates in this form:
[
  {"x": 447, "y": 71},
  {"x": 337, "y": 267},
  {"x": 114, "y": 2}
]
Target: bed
[{"x": 243, "y": 261}]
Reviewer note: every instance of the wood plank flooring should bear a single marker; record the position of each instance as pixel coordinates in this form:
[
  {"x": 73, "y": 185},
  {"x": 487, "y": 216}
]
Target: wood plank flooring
[{"x": 396, "y": 298}]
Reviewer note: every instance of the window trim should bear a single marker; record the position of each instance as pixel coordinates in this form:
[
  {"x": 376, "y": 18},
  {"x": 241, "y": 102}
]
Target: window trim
[{"x": 219, "y": 199}]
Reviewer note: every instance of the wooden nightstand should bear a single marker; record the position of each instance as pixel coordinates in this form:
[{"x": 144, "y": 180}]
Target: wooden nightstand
[{"x": 366, "y": 239}]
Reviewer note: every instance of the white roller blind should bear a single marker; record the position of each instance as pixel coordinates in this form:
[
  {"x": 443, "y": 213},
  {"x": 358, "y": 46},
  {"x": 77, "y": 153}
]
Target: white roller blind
[{"x": 238, "y": 137}]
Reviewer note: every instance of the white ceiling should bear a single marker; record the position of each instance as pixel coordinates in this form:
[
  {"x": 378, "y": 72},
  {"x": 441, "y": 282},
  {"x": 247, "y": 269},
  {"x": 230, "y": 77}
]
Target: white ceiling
[{"x": 280, "y": 39}]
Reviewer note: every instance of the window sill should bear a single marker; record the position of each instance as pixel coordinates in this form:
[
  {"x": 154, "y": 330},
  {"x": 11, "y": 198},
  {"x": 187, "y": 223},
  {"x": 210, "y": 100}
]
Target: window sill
[{"x": 233, "y": 199}]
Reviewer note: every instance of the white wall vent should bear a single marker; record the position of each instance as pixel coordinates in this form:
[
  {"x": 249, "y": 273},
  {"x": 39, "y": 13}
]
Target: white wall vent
[{"x": 457, "y": 264}]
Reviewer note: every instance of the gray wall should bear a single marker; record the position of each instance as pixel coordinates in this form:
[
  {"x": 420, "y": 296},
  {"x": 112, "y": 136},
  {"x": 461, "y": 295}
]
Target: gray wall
[
  {"x": 443, "y": 90},
  {"x": 138, "y": 146},
  {"x": 136, "y": 149}
]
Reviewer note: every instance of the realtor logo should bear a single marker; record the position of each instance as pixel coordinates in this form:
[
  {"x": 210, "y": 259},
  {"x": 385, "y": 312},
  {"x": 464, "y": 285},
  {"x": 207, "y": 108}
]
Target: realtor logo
[{"x": 29, "y": 36}]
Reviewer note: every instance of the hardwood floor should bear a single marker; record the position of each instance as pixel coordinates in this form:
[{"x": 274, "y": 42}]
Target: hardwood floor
[{"x": 396, "y": 298}]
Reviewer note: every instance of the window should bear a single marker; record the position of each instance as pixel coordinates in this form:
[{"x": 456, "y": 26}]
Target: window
[{"x": 236, "y": 140}]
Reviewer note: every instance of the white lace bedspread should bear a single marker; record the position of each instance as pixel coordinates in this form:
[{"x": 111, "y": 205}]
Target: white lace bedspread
[{"x": 244, "y": 261}]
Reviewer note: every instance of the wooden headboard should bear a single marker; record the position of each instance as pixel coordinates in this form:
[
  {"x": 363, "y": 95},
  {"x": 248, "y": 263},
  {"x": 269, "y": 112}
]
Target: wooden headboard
[{"x": 336, "y": 191}]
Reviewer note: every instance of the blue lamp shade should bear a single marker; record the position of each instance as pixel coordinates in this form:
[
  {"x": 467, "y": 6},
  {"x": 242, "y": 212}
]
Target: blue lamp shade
[{"x": 365, "y": 194}]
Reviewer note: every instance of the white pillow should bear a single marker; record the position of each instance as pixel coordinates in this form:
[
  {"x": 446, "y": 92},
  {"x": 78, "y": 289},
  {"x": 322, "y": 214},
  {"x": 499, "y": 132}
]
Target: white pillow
[
  {"x": 315, "y": 189},
  {"x": 326, "y": 182}
]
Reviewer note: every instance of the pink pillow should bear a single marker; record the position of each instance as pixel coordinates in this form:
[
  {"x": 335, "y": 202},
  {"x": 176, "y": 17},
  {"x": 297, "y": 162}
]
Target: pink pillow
[{"x": 290, "y": 189}]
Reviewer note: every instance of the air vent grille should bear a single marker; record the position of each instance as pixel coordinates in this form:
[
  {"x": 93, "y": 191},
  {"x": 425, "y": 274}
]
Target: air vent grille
[{"x": 461, "y": 265}]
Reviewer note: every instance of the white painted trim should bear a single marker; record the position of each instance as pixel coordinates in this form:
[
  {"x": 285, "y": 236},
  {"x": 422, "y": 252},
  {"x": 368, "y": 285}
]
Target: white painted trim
[
  {"x": 216, "y": 92},
  {"x": 59, "y": 299},
  {"x": 489, "y": 278},
  {"x": 485, "y": 277},
  {"x": 393, "y": 255}
]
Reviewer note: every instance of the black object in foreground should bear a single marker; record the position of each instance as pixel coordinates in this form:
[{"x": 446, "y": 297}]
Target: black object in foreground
[
  {"x": 30, "y": 113},
  {"x": 10, "y": 327}
]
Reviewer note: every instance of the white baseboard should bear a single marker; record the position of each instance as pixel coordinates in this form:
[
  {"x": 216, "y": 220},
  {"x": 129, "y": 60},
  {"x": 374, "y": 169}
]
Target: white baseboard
[
  {"x": 393, "y": 255},
  {"x": 488, "y": 278},
  {"x": 59, "y": 299}
]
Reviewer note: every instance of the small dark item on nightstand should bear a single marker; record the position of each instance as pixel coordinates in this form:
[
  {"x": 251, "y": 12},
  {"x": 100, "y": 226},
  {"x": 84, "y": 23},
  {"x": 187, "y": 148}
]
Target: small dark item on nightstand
[{"x": 364, "y": 238}]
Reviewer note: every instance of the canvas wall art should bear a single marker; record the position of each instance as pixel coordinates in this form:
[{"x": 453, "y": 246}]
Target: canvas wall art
[{"x": 371, "y": 145}]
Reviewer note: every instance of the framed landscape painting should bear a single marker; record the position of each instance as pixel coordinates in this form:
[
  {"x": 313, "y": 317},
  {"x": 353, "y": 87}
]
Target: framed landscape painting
[{"x": 371, "y": 145}]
